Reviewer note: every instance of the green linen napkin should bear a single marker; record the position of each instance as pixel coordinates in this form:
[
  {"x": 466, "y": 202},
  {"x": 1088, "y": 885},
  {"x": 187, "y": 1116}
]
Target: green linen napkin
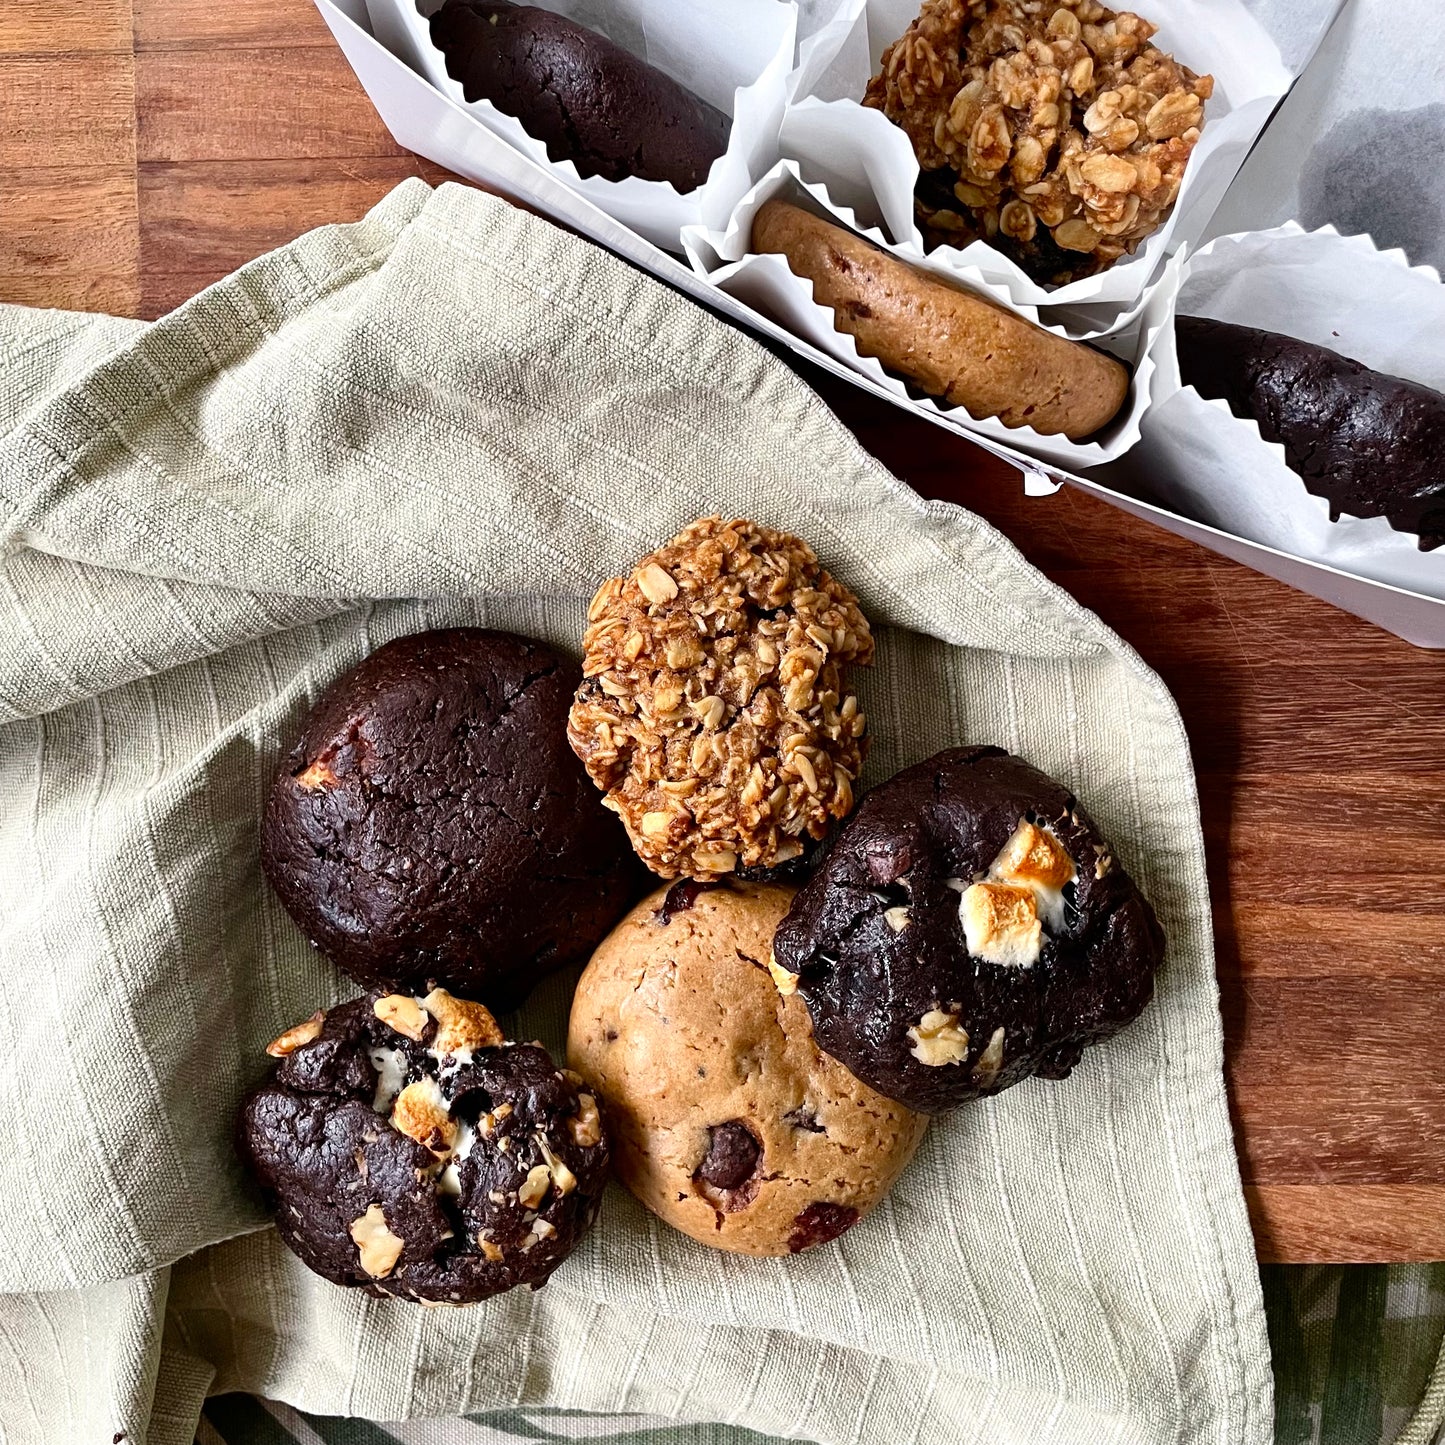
[{"x": 454, "y": 413}]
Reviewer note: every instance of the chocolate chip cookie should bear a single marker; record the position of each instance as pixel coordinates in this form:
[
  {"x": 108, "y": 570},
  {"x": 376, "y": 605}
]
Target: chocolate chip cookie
[
  {"x": 726, "y": 1119},
  {"x": 715, "y": 713},
  {"x": 969, "y": 927},
  {"x": 432, "y": 825},
  {"x": 410, "y": 1151}
]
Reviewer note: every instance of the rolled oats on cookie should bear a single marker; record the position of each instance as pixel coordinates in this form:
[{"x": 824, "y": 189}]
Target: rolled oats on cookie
[
  {"x": 714, "y": 712},
  {"x": 1051, "y": 128}
]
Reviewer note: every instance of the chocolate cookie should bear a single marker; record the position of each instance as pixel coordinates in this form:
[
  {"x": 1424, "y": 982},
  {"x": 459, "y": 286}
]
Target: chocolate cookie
[
  {"x": 726, "y": 1119},
  {"x": 431, "y": 824},
  {"x": 715, "y": 714},
  {"x": 1371, "y": 445},
  {"x": 969, "y": 927},
  {"x": 587, "y": 100},
  {"x": 411, "y": 1152}
]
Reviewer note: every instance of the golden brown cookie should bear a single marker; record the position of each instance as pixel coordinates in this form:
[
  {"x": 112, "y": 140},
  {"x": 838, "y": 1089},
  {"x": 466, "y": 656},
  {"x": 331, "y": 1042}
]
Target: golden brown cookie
[
  {"x": 1055, "y": 131},
  {"x": 714, "y": 712},
  {"x": 954, "y": 344},
  {"x": 726, "y": 1119}
]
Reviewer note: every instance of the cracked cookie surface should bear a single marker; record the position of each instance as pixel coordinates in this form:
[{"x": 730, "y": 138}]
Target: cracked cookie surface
[
  {"x": 969, "y": 927},
  {"x": 586, "y": 99},
  {"x": 431, "y": 823},
  {"x": 714, "y": 713},
  {"x": 410, "y": 1151},
  {"x": 726, "y": 1119}
]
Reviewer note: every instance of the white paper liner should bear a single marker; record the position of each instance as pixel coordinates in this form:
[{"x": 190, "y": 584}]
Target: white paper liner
[
  {"x": 1199, "y": 459},
  {"x": 737, "y": 57},
  {"x": 766, "y": 283},
  {"x": 868, "y": 164}
]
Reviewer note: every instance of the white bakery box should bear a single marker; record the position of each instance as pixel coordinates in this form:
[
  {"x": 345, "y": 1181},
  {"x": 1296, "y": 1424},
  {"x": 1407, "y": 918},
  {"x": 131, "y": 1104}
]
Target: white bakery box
[{"x": 491, "y": 150}]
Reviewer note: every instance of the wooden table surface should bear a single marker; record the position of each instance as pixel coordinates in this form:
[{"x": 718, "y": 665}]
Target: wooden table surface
[{"x": 147, "y": 147}]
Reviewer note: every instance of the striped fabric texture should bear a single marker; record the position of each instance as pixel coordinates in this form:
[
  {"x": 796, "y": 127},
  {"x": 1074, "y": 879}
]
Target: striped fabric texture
[{"x": 454, "y": 413}]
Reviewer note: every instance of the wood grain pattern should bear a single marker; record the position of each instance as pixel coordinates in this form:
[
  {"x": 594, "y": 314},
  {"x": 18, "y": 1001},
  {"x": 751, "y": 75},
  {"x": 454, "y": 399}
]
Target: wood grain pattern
[
  {"x": 206, "y": 25},
  {"x": 147, "y": 148},
  {"x": 40, "y": 27},
  {"x": 326, "y": 113}
]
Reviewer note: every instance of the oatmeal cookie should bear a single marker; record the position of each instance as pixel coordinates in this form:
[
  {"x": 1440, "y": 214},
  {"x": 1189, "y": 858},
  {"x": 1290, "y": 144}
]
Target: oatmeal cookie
[
  {"x": 727, "y": 1120},
  {"x": 1051, "y": 128},
  {"x": 410, "y": 1151},
  {"x": 714, "y": 712},
  {"x": 970, "y": 927}
]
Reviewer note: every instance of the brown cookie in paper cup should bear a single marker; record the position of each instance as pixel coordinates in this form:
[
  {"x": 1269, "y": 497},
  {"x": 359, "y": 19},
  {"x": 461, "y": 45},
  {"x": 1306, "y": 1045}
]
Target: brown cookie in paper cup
[
  {"x": 766, "y": 283},
  {"x": 1340, "y": 292},
  {"x": 735, "y": 59}
]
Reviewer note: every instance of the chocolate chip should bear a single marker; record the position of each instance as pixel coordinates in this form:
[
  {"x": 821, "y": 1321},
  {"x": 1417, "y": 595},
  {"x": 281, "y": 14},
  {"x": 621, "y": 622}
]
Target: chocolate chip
[
  {"x": 804, "y": 1118},
  {"x": 732, "y": 1157},
  {"x": 681, "y": 896},
  {"x": 819, "y": 1223}
]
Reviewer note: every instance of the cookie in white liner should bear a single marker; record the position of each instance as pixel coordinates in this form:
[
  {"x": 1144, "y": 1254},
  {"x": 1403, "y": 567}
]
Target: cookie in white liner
[
  {"x": 1199, "y": 459},
  {"x": 766, "y": 283},
  {"x": 828, "y": 131},
  {"x": 737, "y": 60}
]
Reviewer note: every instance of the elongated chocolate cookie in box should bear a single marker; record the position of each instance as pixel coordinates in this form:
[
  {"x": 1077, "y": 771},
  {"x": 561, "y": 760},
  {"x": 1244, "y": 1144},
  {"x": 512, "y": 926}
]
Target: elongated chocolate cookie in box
[
  {"x": 586, "y": 99},
  {"x": 1370, "y": 444}
]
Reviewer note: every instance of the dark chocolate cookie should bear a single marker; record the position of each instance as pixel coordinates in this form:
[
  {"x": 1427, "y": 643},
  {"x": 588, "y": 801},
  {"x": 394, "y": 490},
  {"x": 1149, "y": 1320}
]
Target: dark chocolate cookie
[
  {"x": 411, "y": 1152},
  {"x": 969, "y": 928},
  {"x": 1371, "y": 445},
  {"x": 587, "y": 100},
  {"x": 432, "y": 824}
]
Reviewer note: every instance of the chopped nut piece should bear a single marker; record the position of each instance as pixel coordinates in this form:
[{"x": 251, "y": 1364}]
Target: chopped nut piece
[
  {"x": 655, "y": 584},
  {"x": 744, "y": 643},
  {"x": 461, "y": 1024},
  {"x": 938, "y": 1038},
  {"x": 1055, "y": 131},
  {"x": 585, "y": 1126},
  {"x": 990, "y": 1061},
  {"x": 786, "y": 982},
  {"x": 296, "y": 1036},
  {"x": 1001, "y": 924},
  {"x": 403, "y": 1013},
  {"x": 491, "y": 1252},
  {"x": 715, "y": 860},
  {"x": 378, "y": 1248},
  {"x": 534, "y": 1186},
  {"x": 420, "y": 1112},
  {"x": 564, "y": 1180},
  {"x": 897, "y": 918}
]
